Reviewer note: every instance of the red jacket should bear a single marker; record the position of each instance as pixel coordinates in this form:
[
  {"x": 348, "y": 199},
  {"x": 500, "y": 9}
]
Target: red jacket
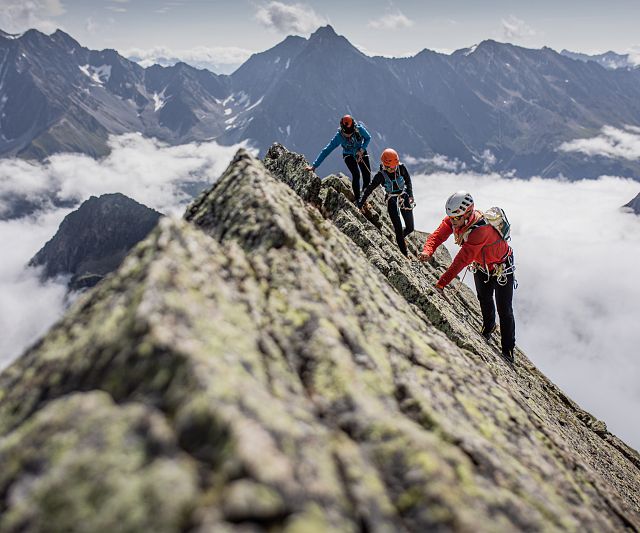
[{"x": 483, "y": 246}]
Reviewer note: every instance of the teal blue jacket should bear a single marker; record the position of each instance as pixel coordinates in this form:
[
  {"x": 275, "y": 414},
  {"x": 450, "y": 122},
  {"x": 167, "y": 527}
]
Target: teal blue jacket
[{"x": 350, "y": 146}]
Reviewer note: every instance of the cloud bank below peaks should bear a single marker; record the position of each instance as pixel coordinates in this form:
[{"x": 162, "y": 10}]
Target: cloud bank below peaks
[
  {"x": 612, "y": 142},
  {"x": 158, "y": 175}
]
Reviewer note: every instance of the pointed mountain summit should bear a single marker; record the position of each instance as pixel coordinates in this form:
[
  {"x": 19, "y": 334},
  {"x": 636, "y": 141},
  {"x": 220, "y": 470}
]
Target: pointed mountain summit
[
  {"x": 634, "y": 205},
  {"x": 273, "y": 363},
  {"x": 92, "y": 240}
]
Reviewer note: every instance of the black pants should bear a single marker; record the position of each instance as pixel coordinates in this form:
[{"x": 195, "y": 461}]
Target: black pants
[
  {"x": 356, "y": 168},
  {"x": 407, "y": 214},
  {"x": 504, "y": 297}
]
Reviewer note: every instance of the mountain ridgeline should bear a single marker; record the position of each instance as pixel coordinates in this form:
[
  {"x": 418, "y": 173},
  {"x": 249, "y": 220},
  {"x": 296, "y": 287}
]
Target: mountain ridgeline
[
  {"x": 273, "y": 363},
  {"x": 494, "y": 105}
]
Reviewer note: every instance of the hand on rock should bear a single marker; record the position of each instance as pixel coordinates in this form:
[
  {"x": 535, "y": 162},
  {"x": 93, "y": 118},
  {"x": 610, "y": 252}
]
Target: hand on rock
[
  {"x": 310, "y": 167},
  {"x": 425, "y": 258}
]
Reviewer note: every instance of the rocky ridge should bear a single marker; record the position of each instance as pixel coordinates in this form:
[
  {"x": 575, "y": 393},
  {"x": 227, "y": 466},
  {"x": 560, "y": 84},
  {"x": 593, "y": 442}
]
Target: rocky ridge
[{"x": 273, "y": 362}]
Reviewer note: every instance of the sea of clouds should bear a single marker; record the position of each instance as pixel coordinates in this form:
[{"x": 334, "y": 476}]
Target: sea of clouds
[{"x": 577, "y": 304}]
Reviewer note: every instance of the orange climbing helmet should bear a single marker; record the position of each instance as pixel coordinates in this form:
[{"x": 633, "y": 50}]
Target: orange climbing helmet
[
  {"x": 347, "y": 124},
  {"x": 389, "y": 158}
]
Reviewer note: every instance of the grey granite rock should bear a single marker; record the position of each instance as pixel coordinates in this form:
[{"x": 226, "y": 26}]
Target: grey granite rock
[{"x": 300, "y": 375}]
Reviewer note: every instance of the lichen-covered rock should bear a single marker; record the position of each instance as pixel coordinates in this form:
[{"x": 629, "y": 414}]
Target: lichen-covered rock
[{"x": 300, "y": 375}]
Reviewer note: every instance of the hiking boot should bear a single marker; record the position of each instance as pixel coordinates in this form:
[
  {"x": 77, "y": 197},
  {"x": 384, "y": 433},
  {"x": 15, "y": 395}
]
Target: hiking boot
[
  {"x": 508, "y": 355},
  {"x": 486, "y": 333}
]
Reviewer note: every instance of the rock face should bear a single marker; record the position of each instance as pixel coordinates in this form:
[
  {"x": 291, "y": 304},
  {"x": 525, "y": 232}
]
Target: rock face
[
  {"x": 274, "y": 363},
  {"x": 634, "y": 205},
  {"x": 93, "y": 240}
]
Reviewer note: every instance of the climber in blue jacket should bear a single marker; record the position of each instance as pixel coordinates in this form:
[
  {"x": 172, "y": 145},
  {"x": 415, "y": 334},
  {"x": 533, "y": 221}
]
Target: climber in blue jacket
[{"x": 354, "y": 139}]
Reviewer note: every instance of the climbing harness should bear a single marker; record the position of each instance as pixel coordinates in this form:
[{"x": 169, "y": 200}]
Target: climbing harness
[{"x": 500, "y": 271}]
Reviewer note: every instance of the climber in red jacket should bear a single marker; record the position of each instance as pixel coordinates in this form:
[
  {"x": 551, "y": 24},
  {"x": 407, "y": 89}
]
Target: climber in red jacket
[{"x": 491, "y": 258}]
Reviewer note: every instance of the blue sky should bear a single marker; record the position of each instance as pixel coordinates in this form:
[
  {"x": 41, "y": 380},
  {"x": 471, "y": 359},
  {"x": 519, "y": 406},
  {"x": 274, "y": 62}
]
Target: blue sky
[{"x": 231, "y": 29}]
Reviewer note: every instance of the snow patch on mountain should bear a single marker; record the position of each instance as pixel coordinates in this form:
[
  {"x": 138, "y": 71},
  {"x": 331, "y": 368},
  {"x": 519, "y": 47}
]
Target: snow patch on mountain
[
  {"x": 471, "y": 50},
  {"x": 159, "y": 101},
  {"x": 99, "y": 75},
  {"x": 256, "y": 104}
]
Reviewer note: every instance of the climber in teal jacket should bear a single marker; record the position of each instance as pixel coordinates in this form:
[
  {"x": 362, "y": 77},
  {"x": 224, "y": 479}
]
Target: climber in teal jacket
[{"x": 354, "y": 139}]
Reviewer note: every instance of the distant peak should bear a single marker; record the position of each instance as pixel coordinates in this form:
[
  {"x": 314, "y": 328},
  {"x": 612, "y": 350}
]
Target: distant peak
[
  {"x": 323, "y": 31},
  {"x": 7, "y": 35}
]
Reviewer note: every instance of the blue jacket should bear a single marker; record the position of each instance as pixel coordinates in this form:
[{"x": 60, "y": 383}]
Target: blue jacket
[{"x": 349, "y": 145}]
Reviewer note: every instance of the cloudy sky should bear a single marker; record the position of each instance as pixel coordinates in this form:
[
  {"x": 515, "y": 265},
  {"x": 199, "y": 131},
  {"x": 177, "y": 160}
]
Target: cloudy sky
[{"x": 227, "y": 31}]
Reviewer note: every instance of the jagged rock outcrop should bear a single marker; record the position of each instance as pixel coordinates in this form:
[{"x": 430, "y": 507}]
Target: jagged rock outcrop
[
  {"x": 93, "y": 240},
  {"x": 634, "y": 205},
  {"x": 274, "y": 363}
]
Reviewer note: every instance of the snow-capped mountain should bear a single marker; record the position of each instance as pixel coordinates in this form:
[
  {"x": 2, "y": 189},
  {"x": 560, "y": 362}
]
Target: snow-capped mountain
[
  {"x": 609, "y": 60},
  {"x": 493, "y": 106}
]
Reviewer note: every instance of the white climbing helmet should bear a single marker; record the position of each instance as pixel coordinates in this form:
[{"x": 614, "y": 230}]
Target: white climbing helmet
[{"x": 459, "y": 203}]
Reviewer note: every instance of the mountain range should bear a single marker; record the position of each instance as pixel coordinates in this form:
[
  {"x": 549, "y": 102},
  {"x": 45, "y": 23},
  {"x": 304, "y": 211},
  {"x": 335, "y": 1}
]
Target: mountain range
[
  {"x": 493, "y": 106},
  {"x": 610, "y": 60}
]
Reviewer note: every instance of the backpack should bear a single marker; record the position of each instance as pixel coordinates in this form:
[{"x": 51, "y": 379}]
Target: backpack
[
  {"x": 494, "y": 216},
  {"x": 498, "y": 219}
]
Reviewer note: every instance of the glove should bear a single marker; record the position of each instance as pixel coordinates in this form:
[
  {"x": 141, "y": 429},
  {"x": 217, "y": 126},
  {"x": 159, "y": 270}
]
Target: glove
[
  {"x": 310, "y": 167},
  {"x": 411, "y": 203},
  {"x": 425, "y": 258},
  {"x": 359, "y": 155}
]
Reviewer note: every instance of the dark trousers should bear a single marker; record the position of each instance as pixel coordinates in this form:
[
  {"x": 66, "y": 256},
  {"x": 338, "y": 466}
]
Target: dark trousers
[
  {"x": 504, "y": 297},
  {"x": 395, "y": 213},
  {"x": 356, "y": 168}
]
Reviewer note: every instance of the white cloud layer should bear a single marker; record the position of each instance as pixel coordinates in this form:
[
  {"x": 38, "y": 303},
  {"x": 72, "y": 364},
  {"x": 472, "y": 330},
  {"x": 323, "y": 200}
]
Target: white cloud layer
[
  {"x": 612, "y": 142},
  {"x": 578, "y": 300},
  {"x": 27, "y": 307},
  {"x": 390, "y": 21},
  {"x": 438, "y": 161},
  {"x": 298, "y": 19},
  {"x": 17, "y": 16},
  {"x": 219, "y": 59},
  {"x": 145, "y": 170},
  {"x": 514, "y": 29}
]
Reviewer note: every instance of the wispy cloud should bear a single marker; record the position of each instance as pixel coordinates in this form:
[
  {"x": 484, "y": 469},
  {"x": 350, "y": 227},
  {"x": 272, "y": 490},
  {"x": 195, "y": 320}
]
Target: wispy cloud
[
  {"x": 578, "y": 298},
  {"x": 218, "y": 59},
  {"x": 612, "y": 142},
  {"x": 117, "y": 9},
  {"x": 514, "y": 29},
  {"x": 390, "y": 21},
  {"x": 634, "y": 55},
  {"x": 289, "y": 18},
  {"x": 438, "y": 161},
  {"x": 20, "y": 15}
]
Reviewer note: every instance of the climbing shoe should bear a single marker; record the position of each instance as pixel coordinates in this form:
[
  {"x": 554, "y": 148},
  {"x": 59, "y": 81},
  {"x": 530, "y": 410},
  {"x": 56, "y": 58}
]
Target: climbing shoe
[
  {"x": 508, "y": 355},
  {"x": 487, "y": 332}
]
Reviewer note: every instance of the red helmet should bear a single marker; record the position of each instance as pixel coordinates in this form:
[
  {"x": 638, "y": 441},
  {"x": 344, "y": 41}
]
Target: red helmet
[
  {"x": 347, "y": 124},
  {"x": 389, "y": 158}
]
